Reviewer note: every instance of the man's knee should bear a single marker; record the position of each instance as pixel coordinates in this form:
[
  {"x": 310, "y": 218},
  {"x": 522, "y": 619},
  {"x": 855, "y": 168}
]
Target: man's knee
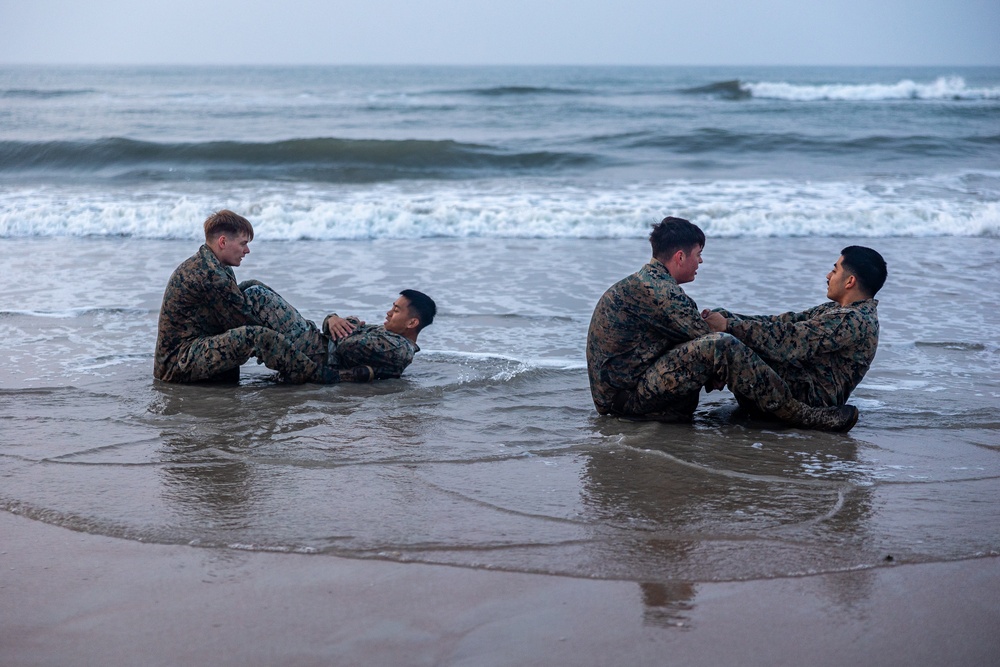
[
  {"x": 262, "y": 300},
  {"x": 259, "y": 337},
  {"x": 719, "y": 340},
  {"x": 721, "y": 350},
  {"x": 259, "y": 291}
]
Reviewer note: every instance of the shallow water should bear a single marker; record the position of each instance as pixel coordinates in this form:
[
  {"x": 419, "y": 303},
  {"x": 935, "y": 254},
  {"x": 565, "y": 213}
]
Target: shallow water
[{"x": 488, "y": 452}]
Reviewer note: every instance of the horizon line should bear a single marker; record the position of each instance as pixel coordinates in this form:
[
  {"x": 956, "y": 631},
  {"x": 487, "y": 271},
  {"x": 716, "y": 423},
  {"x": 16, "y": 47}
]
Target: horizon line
[{"x": 455, "y": 64}]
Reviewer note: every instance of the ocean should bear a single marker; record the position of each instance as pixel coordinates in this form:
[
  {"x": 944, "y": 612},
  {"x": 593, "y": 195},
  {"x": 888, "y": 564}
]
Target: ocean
[{"x": 514, "y": 197}]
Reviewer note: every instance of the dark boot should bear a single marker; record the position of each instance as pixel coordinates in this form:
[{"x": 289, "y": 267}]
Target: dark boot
[
  {"x": 362, "y": 374},
  {"x": 838, "y": 419},
  {"x": 328, "y": 375}
]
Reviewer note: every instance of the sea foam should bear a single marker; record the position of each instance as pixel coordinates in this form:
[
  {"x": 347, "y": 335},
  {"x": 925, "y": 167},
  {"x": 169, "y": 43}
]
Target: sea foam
[
  {"x": 933, "y": 206},
  {"x": 942, "y": 88}
]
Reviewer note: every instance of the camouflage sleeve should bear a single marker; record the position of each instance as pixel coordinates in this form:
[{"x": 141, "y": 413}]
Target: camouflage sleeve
[
  {"x": 799, "y": 339},
  {"x": 689, "y": 321},
  {"x": 228, "y": 297},
  {"x": 678, "y": 318},
  {"x": 204, "y": 294},
  {"x": 387, "y": 353},
  {"x": 783, "y": 318}
]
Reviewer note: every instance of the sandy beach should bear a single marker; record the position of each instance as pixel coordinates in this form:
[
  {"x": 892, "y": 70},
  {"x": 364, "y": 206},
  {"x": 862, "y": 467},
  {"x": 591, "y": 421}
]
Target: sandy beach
[{"x": 79, "y": 599}]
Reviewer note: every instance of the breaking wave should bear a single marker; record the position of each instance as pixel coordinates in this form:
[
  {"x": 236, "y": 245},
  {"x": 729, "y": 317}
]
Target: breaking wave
[
  {"x": 942, "y": 88},
  {"x": 511, "y": 208},
  {"x": 952, "y": 88}
]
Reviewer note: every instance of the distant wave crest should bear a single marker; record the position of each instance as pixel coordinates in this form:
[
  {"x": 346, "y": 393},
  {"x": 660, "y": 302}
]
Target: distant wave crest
[
  {"x": 942, "y": 88},
  {"x": 500, "y": 91},
  {"x": 733, "y": 89},
  {"x": 319, "y": 159},
  {"x": 721, "y": 141},
  {"x": 42, "y": 93}
]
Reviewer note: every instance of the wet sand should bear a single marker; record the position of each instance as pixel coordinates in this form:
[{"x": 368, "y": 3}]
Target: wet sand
[
  {"x": 487, "y": 461},
  {"x": 77, "y": 599}
]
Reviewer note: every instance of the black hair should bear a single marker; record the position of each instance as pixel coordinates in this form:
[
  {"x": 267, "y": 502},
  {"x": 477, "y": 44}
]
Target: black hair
[
  {"x": 867, "y": 266},
  {"x": 421, "y": 305},
  {"x": 673, "y": 234}
]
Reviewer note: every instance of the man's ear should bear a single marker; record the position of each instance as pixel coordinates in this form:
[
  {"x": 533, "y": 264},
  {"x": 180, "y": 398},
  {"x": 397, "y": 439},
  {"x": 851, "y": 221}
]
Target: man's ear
[
  {"x": 851, "y": 282},
  {"x": 413, "y": 323}
]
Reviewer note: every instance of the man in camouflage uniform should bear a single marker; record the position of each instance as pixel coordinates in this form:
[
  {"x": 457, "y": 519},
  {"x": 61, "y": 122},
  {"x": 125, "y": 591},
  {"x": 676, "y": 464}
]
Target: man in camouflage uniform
[
  {"x": 650, "y": 351},
  {"x": 388, "y": 348},
  {"x": 824, "y": 352},
  {"x": 348, "y": 345},
  {"x": 206, "y": 328}
]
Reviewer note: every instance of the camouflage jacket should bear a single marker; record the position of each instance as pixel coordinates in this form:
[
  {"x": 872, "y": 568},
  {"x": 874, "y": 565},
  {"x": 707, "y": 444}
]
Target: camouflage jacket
[
  {"x": 202, "y": 299},
  {"x": 371, "y": 345},
  {"x": 822, "y": 353},
  {"x": 637, "y": 320}
]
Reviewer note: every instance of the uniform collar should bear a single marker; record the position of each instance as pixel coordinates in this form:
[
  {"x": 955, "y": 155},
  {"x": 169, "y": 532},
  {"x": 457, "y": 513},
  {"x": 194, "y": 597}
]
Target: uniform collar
[
  {"x": 212, "y": 260},
  {"x": 658, "y": 269}
]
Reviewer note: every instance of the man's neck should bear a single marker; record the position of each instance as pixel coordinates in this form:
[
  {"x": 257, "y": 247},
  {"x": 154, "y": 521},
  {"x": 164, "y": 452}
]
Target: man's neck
[
  {"x": 852, "y": 297},
  {"x": 214, "y": 250}
]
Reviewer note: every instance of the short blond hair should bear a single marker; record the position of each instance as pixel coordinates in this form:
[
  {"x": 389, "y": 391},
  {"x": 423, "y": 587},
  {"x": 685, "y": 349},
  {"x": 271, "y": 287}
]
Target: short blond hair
[{"x": 228, "y": 223}]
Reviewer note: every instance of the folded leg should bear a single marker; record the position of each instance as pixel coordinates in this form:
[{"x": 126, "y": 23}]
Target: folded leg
[{"x": 212, "y": 356}]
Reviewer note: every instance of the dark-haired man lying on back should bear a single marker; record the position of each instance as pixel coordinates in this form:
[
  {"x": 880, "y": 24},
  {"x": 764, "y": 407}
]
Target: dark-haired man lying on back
[{"x": 351, "y": 350}]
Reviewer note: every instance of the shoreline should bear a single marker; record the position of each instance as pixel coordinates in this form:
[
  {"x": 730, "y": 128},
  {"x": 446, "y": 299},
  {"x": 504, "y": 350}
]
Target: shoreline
[{"x": 80, "y": 599}]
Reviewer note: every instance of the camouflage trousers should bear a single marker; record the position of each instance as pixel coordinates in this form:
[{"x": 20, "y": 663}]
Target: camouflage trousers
[
  {"x": 220, "y": 357},
  {"x": 671, "y": 386},
  {"x": 284, "y": 341},
  {"x": 307, "y": 343},
  {"x": 274, "y": 312}
]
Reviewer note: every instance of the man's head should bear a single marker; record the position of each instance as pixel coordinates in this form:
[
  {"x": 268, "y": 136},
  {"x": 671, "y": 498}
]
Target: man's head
[
  {"x": 677, "y": 244},
  {"x": 229, "y": 236},
  {"x": 858, "y": 274},
  {"x": 410, "y": 313}
]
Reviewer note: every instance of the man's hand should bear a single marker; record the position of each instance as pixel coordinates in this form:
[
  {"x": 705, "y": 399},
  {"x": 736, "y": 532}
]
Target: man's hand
[
  {"x": 716, "y": 322},
  {"x": 337, "y": 327}
]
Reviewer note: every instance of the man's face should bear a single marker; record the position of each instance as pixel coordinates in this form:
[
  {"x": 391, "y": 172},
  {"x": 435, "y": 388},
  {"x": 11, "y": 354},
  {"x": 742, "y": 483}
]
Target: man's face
[
  {"x": 836, "y": 281},
  {"x": 398, "y": 317},
  {"x": 232, "y": 249},
  {"x": 687, "y": 267}
]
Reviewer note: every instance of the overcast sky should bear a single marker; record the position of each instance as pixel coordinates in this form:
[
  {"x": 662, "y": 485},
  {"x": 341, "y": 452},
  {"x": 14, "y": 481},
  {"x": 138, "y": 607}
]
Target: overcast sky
[{"x": 654, "y": 32}]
